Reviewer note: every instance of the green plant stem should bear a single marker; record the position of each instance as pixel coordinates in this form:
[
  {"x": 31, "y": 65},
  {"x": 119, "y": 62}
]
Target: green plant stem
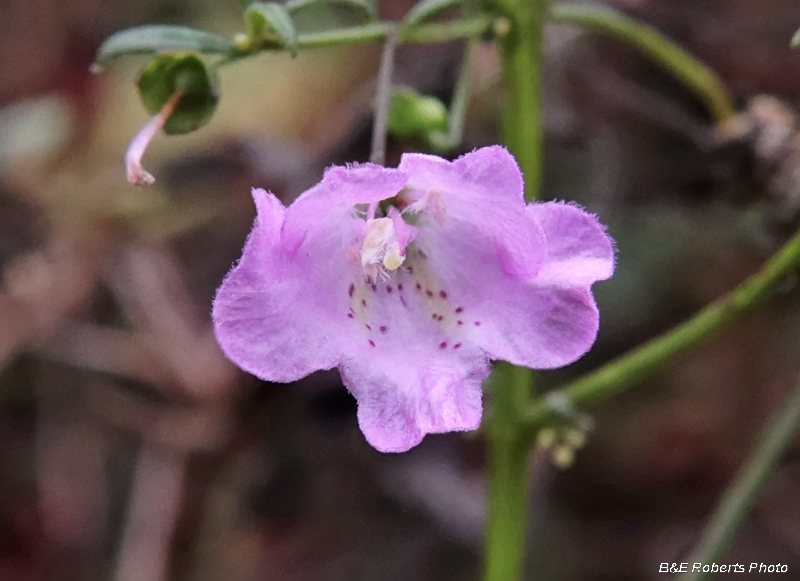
[
  {"x": 468, "y": 27},
  {"x": 643, "y": 362},
  {"x": 521, "y": 63},
  {"x": 685, "y": 67},
  {"x": 383, "y": 97},
  {"x": 509, "y": 469},
  {"x": 748, "y": 483},
  {"x": 460, "y": 100},
  {"x": 509, "y": 452}
]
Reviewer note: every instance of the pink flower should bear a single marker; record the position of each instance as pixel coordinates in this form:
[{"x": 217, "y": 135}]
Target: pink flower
[{"x": 410, "y": 280}]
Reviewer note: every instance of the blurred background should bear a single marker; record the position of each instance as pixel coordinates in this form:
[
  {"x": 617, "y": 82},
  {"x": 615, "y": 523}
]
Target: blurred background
[{"x": 130, "y": 449}]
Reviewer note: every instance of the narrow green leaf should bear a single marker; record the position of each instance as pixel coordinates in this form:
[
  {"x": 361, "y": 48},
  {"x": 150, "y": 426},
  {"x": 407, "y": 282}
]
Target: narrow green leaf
[
  {"x": 270, "y": 25},
  {"x": 427, "y": 9},
  {"x": 367, "y": 8},
  {"x": 796, "y": 39},
  {"x": 159, "y": 38}
]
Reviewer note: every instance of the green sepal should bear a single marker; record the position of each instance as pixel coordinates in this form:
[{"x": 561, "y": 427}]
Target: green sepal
[
  {"x": 270, "y": 25},
  {"x": 169, "y": 73},
  {"x": 160, "y": 38},
  {"x": 412, "y": 115},
  {"x": 427, "y": 9}
]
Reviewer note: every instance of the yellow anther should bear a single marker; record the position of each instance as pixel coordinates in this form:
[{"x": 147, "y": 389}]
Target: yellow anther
[{"x": 393, "y": 258}]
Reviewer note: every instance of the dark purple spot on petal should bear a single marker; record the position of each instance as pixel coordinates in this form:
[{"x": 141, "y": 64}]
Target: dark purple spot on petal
[
  {"x": 477, "y": 323},
  {"x": 389, "y": 289},
  {"x": 371, "y": 342},
  {"x": 352, "y": 289},
  {"x": 460, "y": 323},
  {"x": 429, "y": 293},
  {"x": 368, "y": 327},
  {"x": 457, "y": 345},
  {"x": 440, "y": 318},
  {"x": 460, "y": 310},
  {"x": 374, "y": 287},
  {"x": 384, "y": 329},
  {"x": 350, "y": 316},
  {"x": 434, "y": 316},
  {"x": 363, "y": 302},
  {"x": 402, "y": 300},
  {"x": 419, "y": 286},
  {"x": 443, "y": 345},
  {"x": 443, "y": 294},
  {"x": 400, "y": 287},
  {"x": 410, "y": 270}
]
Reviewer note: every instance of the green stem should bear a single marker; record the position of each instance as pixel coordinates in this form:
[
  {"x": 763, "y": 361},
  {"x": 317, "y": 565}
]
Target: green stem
[
  {"x": 751, "y": 478},
  {"x": 460, "y": 100},
  {"x": 685, "y": 67},
  {"x": 521, "y": 63},
  {"x": 383, "y": 97},
  {"x": 436, "y": 32},
  {"x": 630, "y": 370},
  {"x": 509, "y": 451},
  {"x": 509, "y": 469}
]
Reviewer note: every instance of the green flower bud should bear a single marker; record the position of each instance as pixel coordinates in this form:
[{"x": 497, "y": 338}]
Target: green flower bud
[
  {"x": 184, "y": 73},
  {"x": 415, "y": 116}
]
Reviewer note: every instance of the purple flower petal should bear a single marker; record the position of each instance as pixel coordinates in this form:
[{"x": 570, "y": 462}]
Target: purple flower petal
[
  {"x": 579, "y": 252},
  {"x": 280, "y": 313},
  {"x": 403, "y": 396},
  {"x": 482, "y": 191},
  {"x": 412, "y": 305}
]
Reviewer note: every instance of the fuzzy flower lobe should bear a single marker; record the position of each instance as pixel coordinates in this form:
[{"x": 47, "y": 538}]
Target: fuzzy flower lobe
[{"x": 410, "y": 280}]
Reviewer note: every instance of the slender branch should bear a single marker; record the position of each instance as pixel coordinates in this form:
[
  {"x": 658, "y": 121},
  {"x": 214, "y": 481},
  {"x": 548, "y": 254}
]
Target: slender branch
[
  {"x": 685, "y": 67},
  {"x": 630, "y": 370},
  {"x": 460, "y": 100},
  {"x": 748, "y": 483},
  {"x": 435, "y": 32},
  {"x": 383, "y": 98},
  {"x": 427, "y": 33}
]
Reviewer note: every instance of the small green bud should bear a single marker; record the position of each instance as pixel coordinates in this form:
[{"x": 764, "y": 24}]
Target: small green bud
[
  {"x": 575, "y": 438},
  {"x": 412, "y": 115},
  {"x": 183, "y": 73}
]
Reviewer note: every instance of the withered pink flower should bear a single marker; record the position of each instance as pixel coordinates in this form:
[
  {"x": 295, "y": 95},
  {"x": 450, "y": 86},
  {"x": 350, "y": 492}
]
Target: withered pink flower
[{"x": 410, "y": 280}]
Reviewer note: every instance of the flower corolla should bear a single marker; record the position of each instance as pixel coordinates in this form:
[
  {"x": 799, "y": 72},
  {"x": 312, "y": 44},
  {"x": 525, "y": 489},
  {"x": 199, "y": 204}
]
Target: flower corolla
[{"x": 411, "y": 280}]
